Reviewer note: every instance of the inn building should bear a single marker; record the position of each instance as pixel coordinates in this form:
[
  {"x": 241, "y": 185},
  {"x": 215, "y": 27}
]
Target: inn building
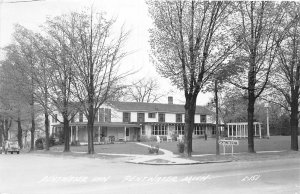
[{"x": 133, "y": 121}]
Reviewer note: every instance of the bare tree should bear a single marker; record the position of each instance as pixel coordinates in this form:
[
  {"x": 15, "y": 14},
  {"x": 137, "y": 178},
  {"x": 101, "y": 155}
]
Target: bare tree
[
  {"x": 95, "y": 54},
  {"x": 286, "y": 77},
  {"x": 144, "y": 90},
  {"x": 21, "y": 59},
  {"x": 55, "y": 89},
  {"x": 258, "y": 26},
  {"x": 189, "y": 42}
]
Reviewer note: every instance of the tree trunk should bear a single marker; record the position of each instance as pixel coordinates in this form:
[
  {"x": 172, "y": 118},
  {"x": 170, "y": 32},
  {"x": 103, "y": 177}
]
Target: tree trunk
[
  {"x": 5, "y": 127},
  {"x": 20, "y": 131},
  {"x": 90, "y": 129},
  {"x": 46, "y": 115},
  {"x": 217, "y": 118},
  {"x": 91, "y": 95},
  {"x": 1, "y": 132},
  {"x": 32, "y": 126},
  {"x": 47, "y": 130},
  {"x": 66, "y": 132},
  {"x": 294, "y": 121},
  {"x": 190, "y": 107},
  {"x": 250, "y": 122}
]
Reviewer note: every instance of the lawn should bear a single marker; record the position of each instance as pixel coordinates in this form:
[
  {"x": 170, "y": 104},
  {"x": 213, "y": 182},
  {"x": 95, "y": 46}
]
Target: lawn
[
  {"x": 121, "y": 148},
  {"x": 201, "y": 146}
]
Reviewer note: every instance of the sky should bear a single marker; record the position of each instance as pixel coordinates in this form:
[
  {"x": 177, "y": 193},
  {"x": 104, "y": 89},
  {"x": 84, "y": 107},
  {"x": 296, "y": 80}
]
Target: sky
[{"x": 133, "y": 14}]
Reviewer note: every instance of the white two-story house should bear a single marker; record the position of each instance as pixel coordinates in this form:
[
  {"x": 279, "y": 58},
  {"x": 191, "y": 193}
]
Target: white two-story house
[{"x": 131, "y": 121}]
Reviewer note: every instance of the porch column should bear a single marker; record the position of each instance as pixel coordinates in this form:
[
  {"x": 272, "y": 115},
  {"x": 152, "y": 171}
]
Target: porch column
[
  {"x": 255, "y": 130},
  {"x": 99, "y": 133},
  {"x": 259, "y": 130},
  {"x": 228, "y": 130},
  {"x": 244, "y": 131},
  {"x": 76, "y": 133},
  {"x": 125, "y": 133},
  {"x": 241, "y": 129}
]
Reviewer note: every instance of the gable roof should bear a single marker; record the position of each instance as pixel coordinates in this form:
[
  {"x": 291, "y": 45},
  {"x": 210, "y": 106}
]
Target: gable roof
[{"x": 156, "y": 107}]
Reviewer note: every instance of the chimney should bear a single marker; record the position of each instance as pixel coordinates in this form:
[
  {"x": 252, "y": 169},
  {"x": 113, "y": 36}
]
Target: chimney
[{"x": 170, "y": 100}]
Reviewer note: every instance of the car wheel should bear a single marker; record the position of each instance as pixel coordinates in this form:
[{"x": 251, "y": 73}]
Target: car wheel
[
  {"x": 18, "y": 152},
  {"x": 11, "y": 152}
]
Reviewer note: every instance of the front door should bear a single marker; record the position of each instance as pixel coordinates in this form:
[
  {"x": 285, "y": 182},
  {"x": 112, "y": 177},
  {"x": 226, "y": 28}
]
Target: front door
[{"x": 137, "y": 133}]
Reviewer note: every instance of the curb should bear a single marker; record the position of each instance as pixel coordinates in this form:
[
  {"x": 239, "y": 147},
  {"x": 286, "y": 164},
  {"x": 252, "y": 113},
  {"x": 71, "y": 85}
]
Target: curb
[{"x": 187, "y": 163}]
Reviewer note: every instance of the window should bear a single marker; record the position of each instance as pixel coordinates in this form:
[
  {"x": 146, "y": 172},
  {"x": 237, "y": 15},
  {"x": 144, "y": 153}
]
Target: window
[
  {"x": 199, "y": 130},
  {"x": 126, "y": 116},
  {"x": 80, "y": 117},
  {"x": 127, "y": 131},
  {"x": 202, "y": 118},
  {"x": 141, "y": 117},
  {"x": 107, "y": 115},
  {"x": 96, "y": 117},
  {"x": 180, "y": 129},
  {"x": 104, "y": 115},
  {"x": 54, "y": 119},
  {"x": 151, "y": 115},
  {"x": 178, "y": 118},
  {"x": 161, "y": 117},
  {"x": 159, "y": 130}
]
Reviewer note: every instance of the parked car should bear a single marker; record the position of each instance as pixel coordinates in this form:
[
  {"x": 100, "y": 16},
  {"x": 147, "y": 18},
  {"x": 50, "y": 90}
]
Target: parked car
[{"x": 12, "y": 146}]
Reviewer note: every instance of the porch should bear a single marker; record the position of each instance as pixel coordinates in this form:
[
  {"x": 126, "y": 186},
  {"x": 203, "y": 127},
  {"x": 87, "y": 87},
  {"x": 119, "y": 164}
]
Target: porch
[
  {"x": 240, "y": 130},
  {"x": 103, "y": 132}
]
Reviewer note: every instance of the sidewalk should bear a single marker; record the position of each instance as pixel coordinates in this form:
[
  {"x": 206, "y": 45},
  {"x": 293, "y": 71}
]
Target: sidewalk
[{"x": 168, "y": 158}]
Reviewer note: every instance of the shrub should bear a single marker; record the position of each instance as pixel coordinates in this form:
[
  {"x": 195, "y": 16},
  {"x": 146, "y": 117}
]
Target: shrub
[
  {"x": 52, "y": 141},
  {"x": 174, "y": 136},
  {"x": 153, "y": 138},
  {"x": 163, "y": 138},
  {"x": 153, "y": 149},
  {"x": 39, "y": 143},
  {"x": 180, "y": 146},
  {"x": 75, "y": 143},
  {"x": 144, "y": 138},
  {"x": 61, "y": 138}
]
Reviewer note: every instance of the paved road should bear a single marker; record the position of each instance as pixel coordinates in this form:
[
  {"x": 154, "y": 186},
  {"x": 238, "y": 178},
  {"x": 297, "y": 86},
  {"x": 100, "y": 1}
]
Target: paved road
[{"x": 32, "y": 173}]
